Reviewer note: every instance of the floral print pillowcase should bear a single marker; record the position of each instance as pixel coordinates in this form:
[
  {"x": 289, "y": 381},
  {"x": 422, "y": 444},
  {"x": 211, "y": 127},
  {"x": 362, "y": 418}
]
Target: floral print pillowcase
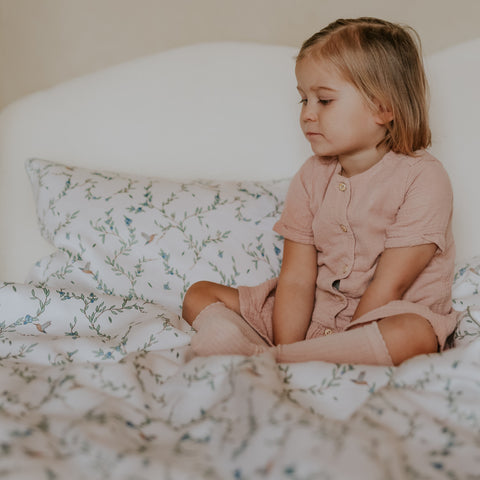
[{"x": 151, "y": 238}]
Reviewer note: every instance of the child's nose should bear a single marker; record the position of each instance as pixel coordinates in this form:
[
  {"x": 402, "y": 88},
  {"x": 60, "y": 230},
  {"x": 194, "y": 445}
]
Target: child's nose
[{"x": 308, "y": 114}]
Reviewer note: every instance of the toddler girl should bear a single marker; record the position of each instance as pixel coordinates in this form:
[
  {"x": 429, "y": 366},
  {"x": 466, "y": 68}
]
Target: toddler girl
[{"x": 368, "y": 252}]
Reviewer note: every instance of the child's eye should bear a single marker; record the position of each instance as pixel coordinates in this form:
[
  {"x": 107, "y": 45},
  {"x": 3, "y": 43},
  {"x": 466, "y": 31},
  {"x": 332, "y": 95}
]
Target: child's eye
[{"x": 304, "y": 101}]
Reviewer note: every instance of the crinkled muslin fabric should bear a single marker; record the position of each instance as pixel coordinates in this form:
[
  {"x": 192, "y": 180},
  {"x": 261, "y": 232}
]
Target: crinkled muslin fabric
[{"x": 401, "y": 201}]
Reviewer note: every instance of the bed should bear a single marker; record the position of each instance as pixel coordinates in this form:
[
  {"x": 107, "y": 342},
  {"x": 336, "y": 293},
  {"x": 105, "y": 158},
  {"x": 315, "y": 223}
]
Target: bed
[{"x": 122, "y": 188}]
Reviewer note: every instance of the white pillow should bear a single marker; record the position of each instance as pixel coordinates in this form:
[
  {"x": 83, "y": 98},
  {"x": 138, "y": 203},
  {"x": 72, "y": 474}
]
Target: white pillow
[{"x": 151, "y": 238}]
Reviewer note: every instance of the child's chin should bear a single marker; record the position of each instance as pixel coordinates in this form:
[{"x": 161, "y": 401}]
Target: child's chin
[{"x": 322, "y": 152}]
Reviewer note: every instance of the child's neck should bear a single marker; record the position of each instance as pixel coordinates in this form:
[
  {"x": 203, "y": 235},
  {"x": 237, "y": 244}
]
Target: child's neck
[{"x": 359, "y": 163}]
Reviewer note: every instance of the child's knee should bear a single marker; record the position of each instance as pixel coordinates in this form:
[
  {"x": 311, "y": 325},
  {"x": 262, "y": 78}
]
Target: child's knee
[
  {"x": 408, "y": 335},
  {"x": 200, "y": 291},
  {"x": 197, "y": 297}
]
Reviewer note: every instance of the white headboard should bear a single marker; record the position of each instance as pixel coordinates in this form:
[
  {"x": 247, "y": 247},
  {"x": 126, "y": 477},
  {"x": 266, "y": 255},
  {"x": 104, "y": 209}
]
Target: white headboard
[{"x": 220, "y": 110}]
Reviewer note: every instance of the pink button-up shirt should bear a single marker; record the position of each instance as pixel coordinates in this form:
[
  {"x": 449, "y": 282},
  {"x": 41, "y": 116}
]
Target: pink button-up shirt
[{"x": 401, "y": 201}]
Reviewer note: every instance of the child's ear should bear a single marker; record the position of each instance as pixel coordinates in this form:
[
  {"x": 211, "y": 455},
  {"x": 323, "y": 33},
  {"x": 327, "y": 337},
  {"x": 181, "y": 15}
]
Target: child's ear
[{"x": 383, "y": 114}]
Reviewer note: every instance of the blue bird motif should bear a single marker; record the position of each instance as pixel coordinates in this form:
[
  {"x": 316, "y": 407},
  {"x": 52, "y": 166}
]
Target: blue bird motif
[
  {"x": 360, "y": 380},
  {"x": 86, "y": 269},
  {"x": 41, "y": 327},
  {"x": 148, "y": 237}
]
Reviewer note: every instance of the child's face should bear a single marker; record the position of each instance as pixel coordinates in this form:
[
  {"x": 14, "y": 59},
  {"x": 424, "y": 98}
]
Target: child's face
[{"x": 335, "y": 117}]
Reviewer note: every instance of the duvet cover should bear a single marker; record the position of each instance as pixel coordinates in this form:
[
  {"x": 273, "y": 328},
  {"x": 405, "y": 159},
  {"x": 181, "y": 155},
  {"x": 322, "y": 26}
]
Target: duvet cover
[{"x": 98, "y": 386}]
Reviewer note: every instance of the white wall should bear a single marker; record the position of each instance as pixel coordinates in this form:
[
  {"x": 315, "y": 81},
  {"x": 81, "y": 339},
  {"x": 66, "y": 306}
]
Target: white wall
[{"x": 44, "y": 42}]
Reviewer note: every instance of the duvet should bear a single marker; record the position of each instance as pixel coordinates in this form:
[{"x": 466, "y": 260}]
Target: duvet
[{"x": 99, "y": 386}]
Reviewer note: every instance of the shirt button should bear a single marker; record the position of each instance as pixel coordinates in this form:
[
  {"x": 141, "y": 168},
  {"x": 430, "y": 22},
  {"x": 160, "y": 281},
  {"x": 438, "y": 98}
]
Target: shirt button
[
  {"x": 342, "y": 187},
  {"x": 328, "y": 331},
  {"x": 344, "y": 228}
]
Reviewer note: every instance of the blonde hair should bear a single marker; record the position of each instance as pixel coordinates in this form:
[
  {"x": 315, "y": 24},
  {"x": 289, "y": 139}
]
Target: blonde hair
[{"x": 383, "y": 61}]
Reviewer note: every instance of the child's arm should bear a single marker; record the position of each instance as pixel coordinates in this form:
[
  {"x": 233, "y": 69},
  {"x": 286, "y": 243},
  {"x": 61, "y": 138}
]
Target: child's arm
[
  {"x": 295, "y": 293},
  {"x": 396, "y": 271}
]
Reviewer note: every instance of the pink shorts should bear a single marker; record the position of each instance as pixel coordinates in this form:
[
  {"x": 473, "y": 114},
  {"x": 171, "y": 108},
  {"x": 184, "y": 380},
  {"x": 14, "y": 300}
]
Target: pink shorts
[{"x": 256, "y": 307}]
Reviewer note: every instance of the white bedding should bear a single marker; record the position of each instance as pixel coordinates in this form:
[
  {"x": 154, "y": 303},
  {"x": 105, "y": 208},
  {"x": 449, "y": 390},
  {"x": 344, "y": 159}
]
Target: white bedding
[{"x": 99, "y": 387}]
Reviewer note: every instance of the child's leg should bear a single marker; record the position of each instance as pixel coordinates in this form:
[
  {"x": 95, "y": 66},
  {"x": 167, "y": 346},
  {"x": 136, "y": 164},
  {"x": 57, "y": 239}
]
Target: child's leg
[
  {"x": 202, "y": 294},
  {"x": 388, "y": 341},
  {"x": 363, "y": 345},
  {"x": 407, "y": 335},
  {"x": 214, "y": 311},
  {"x": 221, "y": 331}
]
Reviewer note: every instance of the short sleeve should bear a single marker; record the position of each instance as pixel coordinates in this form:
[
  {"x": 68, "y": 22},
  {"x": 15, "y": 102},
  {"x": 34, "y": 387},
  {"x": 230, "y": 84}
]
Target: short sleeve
[
  {"x": 296, "y": 220},
  {"x": 425, "y": 214}
]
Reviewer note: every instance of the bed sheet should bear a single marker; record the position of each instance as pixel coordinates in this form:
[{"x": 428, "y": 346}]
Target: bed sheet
[{"x": 98, "y": 386}]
